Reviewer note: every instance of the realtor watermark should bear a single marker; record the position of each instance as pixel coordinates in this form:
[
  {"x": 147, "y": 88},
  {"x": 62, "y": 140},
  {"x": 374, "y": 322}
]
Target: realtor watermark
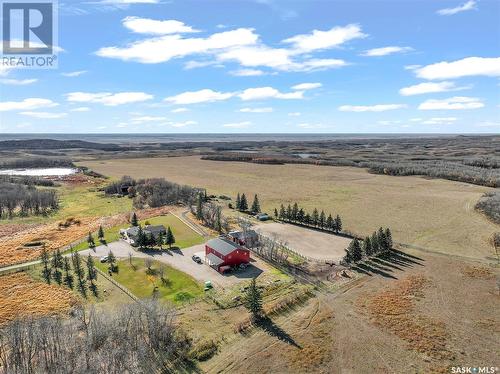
[
  {"x": 474, "y": 369},
  {"x": 29, "y": 34}
]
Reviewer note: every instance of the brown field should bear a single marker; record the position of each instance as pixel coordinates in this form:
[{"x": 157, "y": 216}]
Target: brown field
[
  {"x": 431, "y": 316},
  {"x": 21, "y": 295},
  {"x": 434, "y": 214}
]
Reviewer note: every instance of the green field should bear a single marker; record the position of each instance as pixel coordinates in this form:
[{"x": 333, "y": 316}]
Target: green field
[
  {"x": 184, "y": 235},
  {"x": 179, "y": 286}
]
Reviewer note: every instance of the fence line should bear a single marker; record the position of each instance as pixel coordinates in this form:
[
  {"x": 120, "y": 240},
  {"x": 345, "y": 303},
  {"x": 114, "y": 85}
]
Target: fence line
[{"x": 121, "y": 287}]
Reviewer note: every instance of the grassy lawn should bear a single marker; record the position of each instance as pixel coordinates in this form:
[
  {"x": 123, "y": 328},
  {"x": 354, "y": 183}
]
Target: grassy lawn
[
  {"x": 178, "y": 287},
  {"x": 184, "y": 235}
]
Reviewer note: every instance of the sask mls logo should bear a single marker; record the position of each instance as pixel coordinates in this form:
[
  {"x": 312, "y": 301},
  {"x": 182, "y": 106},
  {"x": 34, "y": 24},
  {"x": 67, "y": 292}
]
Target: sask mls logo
[{"x": 29, "y": 33}]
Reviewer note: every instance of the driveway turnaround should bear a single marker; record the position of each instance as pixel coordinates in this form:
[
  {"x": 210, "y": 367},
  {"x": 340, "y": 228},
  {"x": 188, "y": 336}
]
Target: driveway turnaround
[{"x": 181, "y": 260}]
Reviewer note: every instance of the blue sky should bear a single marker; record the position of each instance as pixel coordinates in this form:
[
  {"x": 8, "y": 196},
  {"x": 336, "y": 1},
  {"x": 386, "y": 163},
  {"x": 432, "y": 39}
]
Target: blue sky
[{"x": 157, "y": 66}]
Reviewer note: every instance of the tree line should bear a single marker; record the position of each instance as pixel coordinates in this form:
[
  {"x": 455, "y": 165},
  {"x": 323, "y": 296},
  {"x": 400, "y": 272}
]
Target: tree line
[
  {"x": 295, "y": 214},
  {"x": 27, "y": 180},
  {"x": 40, "y": 162},
  {"x": 154, "y": 192},
  {"x": 132, "y": 338},
  {"x": 70, "y": 272},
  {"x": 380, "y": 241},
  {"x": 26, "y": 200},
  {"x": 210, "y": 214}
]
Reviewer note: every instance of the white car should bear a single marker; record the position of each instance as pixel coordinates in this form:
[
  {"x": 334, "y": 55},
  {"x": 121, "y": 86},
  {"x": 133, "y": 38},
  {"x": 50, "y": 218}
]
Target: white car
[{"x": 104, "y": 259}]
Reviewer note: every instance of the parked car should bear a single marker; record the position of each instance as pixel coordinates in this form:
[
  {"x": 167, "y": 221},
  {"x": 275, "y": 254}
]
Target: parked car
[
  {"x": 104, "y": 259},
  {"x": 196, "y": 259}
]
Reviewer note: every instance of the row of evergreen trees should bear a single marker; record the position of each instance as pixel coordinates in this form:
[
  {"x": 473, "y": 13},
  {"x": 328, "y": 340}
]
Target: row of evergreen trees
[
  {"x": 63, "y": 270},
  {"x": 145, "y": 240},
  {"x": 317, "y": 219},
  {"x": 380, "y": 241},
  {"x": 241, "y": 204}
]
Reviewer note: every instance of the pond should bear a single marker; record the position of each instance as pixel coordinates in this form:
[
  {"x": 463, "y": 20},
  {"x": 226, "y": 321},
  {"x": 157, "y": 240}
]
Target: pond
[{"x": 44, "y": 172}]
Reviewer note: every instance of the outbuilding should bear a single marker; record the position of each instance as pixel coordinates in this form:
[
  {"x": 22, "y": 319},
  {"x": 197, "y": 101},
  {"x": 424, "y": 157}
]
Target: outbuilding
[{"x": 222, "y": 253}]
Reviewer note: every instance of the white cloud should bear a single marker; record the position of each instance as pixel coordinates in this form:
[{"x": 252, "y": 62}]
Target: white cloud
[
  {"x": 256, "y": 110},
  {"x": 179, "y": 110},
  {"x": 26, "y": 104},
  {"x": 306, "y": 86},
  {"x": 262, "y": 93},
  {"x": 73, "y": 74},
  {"x": 453, "y": 103},
  {"x": 202, "y": 96},
  {"x": 182, "y": 124},
  {"x": 44, "y": 115},
  {"x": 488, "y": 124},
  {"x": 147, "y": 119},
  {"x": 411, "y": 67},
  {"x": 440, "y": 121},
  {"x": 165, "y": 48},
  {"x": 384, "y": 51},
  {"x": 246, "y": 72},
  {"x": 311, "y": 125},
  {"x": 107, "y": 98},
  {"x": 294, "y": 114},
  {"x": 469, "y": 66},
  {"x": 151, "y": 26},
  {"x": 128, "y": 2},
  {"x": 318, "y": 40},
  {"x": 371, "y": 108},
  {"x": 18, "y": 82},
  {"x": 238, "y": 125},
  {"x": 81, "y": 109},
  {"x": 469, "y": 5},
  {"x": 430, "y": 87}
]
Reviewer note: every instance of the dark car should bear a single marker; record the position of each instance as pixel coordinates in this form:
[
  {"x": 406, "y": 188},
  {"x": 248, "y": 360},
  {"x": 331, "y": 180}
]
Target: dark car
[{"x": 196, "y": 259}]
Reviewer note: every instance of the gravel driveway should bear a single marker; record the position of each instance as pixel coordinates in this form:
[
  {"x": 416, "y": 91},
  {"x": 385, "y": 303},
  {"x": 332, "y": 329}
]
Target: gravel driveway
[{"x": 181, "y": 260}]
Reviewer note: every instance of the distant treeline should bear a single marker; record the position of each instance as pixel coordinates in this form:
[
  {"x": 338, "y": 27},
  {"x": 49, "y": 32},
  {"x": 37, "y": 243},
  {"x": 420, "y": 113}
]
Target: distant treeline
[
  {"x": 477, "y": 171},
  {"x": 27, "y": 180},
  {"x": 489, "y": 204},
  {"x": 45, "y": 144},
  {"x": 36, "y": 163},
  {"x": 154, "y": 192},
  {"x": 22, "y": 200}
]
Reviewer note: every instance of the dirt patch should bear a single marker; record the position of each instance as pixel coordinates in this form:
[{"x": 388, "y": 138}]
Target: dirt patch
[
  {"x": 20, "y": 295},
  {"x": 477, "y": 272},
  {"x": 8, "y": 229}
]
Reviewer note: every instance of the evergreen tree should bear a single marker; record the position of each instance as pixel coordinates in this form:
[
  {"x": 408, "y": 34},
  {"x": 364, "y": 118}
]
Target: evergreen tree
[
  {"x": 375, "y": 244},
  {"x": 307, "y": 219},
  {"x": 295, "y": 212},
  {"x": 255, "y": 205},
  {"x": 253, "y": 300},
  {"x": 289, "y": 213},
  {"x": 322, "y": 219},
  {"x": 315, "y": 217},
  {"x": 276, "y": 214},
  {"x": 367, "y": 247},
  {"x": 90, "y": 240},
  {"x": 91, "y": 274},
  {"x": 80, "y": 273},
  {"x": 388, "y": 237},
  {"x": 347, "y": 257},
  {"x": 160, "y": 239},
  {"x": 100, "y": 234},
  {"x": 329, "y": 222},
  {"x": 300, "y": 215},
  {"x": 112, "y": 262},
  {"x": 57, "y": 265},
  {"x": 199, "y": 207},
  {"x": 134, "y": 221},
  {"x": 282, "y": 213},
  {"x": 170, "y": 239},
  {"x": 238, "y": 202},
  {"x": 243, "y": 203},
  {"x": 68, "y": 277},
  {"x": 355, "y": 250},
  {"x": 46, "y": 272},
  {"x": 218, "y": 220},
  {"x": 140, "y": 239},
  {"x": 338, "y": 224},
  {"x": 382, "y": 240}
]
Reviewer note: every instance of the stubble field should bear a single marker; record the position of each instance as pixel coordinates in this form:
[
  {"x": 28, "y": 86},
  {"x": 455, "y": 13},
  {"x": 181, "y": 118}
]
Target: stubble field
[{"x": 434, "y": 214}]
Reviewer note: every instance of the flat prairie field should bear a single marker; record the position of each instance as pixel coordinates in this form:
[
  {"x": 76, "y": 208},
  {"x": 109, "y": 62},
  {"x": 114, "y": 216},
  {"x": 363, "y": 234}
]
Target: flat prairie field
[{"x": 434, "y": 214}]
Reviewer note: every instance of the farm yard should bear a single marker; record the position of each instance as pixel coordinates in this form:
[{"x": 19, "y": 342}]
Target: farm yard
[
  {"x": 310, "y": 243},
  {"x": 434, "y": 214}
]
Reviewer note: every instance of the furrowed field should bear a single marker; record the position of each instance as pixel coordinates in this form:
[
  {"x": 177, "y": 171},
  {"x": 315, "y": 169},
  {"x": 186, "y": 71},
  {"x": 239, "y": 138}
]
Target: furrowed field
[{"x": 434, "y": 214}]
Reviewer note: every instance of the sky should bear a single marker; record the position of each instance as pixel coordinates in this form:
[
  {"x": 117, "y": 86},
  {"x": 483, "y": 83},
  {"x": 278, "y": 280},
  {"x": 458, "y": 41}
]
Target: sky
[{"x": 264, "y": 66}]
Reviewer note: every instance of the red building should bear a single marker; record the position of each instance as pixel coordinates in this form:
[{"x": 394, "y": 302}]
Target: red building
[{"x": 222, "y": 254}]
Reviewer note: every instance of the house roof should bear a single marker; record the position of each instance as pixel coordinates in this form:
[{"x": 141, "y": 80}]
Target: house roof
[
  {"x": 241, "y": 234},
  {"x": 214, "y": 260},
  {"x": 134, "y": 230},
  {"x": 223, "y": 246}
]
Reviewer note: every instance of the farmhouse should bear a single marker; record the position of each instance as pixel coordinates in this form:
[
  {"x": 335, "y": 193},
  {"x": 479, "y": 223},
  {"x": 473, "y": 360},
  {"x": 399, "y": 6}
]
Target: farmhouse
[
  {"x": 247, "y": 238},
  {"x": 222, "y": 253},
  {"x": 132, "y": 232}
]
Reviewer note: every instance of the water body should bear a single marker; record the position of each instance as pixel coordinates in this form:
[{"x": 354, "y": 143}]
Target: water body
[{"x": 46, "y": 172}]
